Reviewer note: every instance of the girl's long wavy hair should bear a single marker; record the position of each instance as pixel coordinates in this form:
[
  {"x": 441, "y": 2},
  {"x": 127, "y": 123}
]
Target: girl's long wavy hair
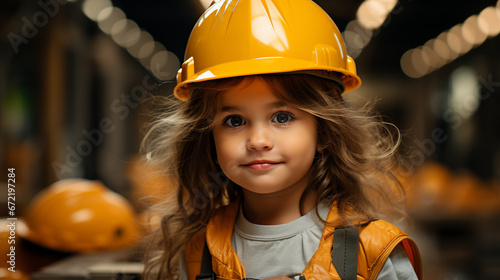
[{"x": 356, "y": 151}]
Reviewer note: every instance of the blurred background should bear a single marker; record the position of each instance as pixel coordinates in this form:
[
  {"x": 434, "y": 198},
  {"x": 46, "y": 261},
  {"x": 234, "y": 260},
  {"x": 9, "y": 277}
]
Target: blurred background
[{"x": 75, "y": 79}]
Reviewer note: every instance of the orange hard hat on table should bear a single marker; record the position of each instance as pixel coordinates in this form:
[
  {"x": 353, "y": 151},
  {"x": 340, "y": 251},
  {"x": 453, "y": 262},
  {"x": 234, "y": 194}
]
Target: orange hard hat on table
[
  {"x": 80, "y": 215},
  {"x": 6, "y": 274},
  {"x": 251, "y": 37}
]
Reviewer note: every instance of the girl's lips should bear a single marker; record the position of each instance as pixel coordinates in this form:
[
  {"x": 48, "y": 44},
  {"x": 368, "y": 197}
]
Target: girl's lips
[{"x": 261, "y": 165}]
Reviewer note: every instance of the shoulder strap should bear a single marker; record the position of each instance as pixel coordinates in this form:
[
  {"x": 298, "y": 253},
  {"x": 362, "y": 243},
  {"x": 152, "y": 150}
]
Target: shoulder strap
[
  {"x": 345, "y": 252},
  {"x": 206, "y": 272}
]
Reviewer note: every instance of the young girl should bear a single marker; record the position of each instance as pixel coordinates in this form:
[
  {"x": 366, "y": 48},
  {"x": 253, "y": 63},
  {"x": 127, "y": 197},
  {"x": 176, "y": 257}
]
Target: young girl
[{"x": 275, "y": 175}]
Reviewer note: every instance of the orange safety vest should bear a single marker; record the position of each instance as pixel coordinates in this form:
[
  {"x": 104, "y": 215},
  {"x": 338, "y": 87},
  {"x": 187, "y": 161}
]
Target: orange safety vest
[{"x": 377, "y": 239}]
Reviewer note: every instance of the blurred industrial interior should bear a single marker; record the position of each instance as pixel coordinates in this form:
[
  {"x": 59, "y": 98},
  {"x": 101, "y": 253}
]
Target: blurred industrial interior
[{"x": 75, "y": 78}]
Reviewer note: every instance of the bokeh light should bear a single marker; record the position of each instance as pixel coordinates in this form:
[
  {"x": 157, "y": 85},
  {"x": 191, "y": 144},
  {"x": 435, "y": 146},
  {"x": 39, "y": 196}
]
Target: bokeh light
[
  {"x": 92, "y": 8},
  {"x": 489, "y": 21},
  {"x": 126, "y": 33},
  {"x": 451, "y": 44}
]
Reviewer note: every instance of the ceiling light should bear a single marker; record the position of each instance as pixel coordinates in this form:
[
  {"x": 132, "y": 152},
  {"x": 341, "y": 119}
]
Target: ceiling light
[
  {"x": 108, "y": 17},
  {"x": 164, "y": 65},
  {"x": 457, "y": 41},
  {"x": 144, "y": 38},
  {"x": 407, "y": 65},
  {"x": 92, "y": 8},
  {"x": 125, "y": 32},
  {"x": 441, "y": 49},
  {"x": 489, "y": 21},
  {"x": 473, "y": 32},
  {"x": 371, "y": 14},
  {"x": 432, "y": 59}
]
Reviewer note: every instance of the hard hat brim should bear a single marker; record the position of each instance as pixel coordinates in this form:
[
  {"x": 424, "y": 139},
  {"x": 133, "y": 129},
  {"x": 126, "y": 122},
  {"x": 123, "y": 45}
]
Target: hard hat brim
[{"x": 265, "y": 65}]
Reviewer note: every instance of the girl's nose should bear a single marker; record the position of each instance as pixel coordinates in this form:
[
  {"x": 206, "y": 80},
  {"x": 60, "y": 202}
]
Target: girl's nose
[{"x": 259, "y": 139}]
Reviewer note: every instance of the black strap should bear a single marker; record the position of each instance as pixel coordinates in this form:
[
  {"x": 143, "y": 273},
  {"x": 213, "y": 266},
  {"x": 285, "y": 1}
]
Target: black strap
[
  {"x": 206, "y": 272},
  {"x": 345, "y": 252}
]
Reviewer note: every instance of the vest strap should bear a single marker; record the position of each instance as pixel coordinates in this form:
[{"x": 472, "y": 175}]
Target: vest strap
[
  {"x": 345, "y": 252},
  {"x": 206, "y": 272}
]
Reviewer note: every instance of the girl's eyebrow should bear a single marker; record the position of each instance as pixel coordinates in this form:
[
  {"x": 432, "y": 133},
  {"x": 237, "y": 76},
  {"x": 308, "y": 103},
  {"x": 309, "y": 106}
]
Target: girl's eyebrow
[
  {"x": 277, "y": 104},
  {"x": 273, "y": 105},
  {"x": 229, "y": 109}
]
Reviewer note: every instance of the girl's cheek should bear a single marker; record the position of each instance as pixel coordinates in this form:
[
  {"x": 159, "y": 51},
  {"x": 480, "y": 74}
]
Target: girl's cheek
[{"x": 231, "y": 169}]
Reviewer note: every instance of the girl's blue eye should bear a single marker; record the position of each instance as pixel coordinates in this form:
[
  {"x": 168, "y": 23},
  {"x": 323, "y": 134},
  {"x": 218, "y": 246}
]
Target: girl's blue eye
[
  {"x": 234, "y": 121},
  {"x": 283, "y": 117}
]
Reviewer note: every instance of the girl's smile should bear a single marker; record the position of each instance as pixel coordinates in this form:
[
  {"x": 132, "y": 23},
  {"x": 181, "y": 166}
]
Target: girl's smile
[
  {"x": 262, "y": 165},
  {"x": 263, "y": 145}
]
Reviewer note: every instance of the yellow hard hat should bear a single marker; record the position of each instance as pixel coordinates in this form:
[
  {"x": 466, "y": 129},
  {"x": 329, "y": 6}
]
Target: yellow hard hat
[
  {"x": 250, "y": 37},
  {"x": 79, "y": 215}
]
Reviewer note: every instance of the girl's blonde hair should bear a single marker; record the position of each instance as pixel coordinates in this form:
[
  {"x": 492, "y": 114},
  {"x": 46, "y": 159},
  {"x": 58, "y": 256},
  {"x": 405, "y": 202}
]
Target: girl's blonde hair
[{"x": 351, "y": 170}]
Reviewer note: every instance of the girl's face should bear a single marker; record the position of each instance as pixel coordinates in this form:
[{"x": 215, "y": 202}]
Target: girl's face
[{"x": 262, "y": 144}]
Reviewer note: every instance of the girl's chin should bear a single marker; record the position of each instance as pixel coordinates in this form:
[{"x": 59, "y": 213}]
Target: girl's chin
[{"x": 261, "y": 190}]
